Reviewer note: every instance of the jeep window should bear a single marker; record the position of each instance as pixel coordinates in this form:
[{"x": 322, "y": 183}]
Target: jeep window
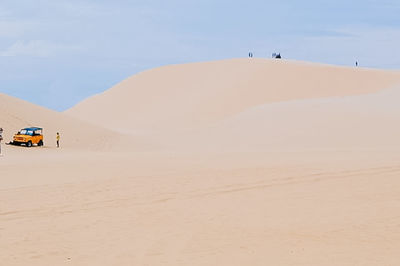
[{"x": 26, "y": 132}]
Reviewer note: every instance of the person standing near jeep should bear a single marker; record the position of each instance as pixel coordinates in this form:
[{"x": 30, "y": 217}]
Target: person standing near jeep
[{"x": 58, "y": 140}]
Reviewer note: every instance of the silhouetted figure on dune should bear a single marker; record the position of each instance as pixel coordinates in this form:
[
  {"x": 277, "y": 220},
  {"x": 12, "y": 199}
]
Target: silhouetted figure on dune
[
  {"x": 276, "y": 56},
  {"x": 1, "y": 138}
]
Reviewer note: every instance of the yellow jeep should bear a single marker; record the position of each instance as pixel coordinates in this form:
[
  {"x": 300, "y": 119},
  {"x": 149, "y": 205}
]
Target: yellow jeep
[{"x": 29, "y": 136}]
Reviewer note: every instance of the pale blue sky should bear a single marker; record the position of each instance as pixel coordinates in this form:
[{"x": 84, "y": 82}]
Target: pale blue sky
[{"x": 57, "y": 52}]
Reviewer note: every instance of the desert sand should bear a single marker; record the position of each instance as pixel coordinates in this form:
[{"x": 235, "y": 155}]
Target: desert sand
[{"x": 234, "y": 162}]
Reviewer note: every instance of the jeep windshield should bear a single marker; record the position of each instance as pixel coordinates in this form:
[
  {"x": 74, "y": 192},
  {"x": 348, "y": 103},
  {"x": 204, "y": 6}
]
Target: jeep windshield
[{"x": 26, "y": 132}]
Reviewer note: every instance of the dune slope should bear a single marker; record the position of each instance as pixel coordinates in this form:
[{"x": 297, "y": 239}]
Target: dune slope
[
  {"x": 202, "y": 94},
  {"x": 16, "y": 114},
  {"x": 363, "y": 122}
]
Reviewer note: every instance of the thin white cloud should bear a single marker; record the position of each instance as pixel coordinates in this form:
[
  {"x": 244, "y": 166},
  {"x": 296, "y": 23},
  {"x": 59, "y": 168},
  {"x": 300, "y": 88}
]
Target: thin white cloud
[
  {"x": 14, "y": 29},
  {"x": 35, "y": 48},
  {"x": 82, "y": 9}
]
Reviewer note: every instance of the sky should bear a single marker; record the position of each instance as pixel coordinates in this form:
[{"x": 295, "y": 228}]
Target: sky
[{"x": 56, "y": 53}]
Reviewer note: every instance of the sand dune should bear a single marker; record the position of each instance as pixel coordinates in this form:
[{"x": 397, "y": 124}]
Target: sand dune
[
  {"x": 253, "y": 105},
  {"x": 236, "y": 162},
  {"x": 16, "y": 114},
  {"x": 201, "y": 94}
]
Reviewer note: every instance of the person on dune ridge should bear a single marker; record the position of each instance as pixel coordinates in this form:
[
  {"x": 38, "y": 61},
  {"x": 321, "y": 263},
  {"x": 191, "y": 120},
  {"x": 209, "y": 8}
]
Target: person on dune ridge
[
  {"x": 58, "y": 140},
  {"x": 1, "y": 138}
]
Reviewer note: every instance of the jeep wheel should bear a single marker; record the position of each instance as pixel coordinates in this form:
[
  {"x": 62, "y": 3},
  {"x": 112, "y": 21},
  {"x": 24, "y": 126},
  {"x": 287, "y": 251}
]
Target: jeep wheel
[
  {"x": 40, "y": 143},
  {"x": 29, "y": 144}
]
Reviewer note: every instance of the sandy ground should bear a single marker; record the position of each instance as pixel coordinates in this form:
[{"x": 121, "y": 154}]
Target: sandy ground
[
  {"x": 109, "y": 209},
  {"x": 310, "y": 178}
]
